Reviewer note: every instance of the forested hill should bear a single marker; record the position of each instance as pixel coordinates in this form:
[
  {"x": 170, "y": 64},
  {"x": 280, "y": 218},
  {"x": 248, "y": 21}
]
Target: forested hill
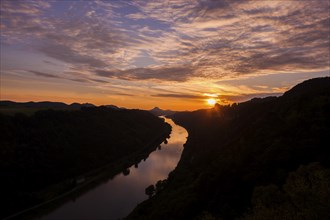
[
  {"x": 46, "y": 104},
  {"x": 59, "y": 147},
  {"x": 262, "y": 159}
]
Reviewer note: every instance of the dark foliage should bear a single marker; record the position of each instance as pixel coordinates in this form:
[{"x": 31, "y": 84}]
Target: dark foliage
[
  {"x": 150, "y": 190},
  {"x": 239, "y": 155},
  {"x": 305, "y": 195},
  {"x": 51, "y": 147}
]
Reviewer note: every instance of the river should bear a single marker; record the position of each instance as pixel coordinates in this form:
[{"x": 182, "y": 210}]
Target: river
[{"x": 117, "y": 197}]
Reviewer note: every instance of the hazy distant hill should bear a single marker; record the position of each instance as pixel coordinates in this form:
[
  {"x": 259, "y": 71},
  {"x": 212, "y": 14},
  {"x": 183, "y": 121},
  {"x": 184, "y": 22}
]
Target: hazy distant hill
[
  {"x": 158, "y": 112},
  {"x": 262, "y": 159}
]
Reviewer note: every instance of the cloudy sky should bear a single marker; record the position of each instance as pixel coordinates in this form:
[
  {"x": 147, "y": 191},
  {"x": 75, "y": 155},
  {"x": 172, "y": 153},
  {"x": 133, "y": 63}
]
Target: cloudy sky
[{"x": 172, "y": 54}]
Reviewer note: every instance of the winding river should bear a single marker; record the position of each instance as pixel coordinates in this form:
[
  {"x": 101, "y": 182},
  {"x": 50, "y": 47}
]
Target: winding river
[{"x": 117, "y": 197}]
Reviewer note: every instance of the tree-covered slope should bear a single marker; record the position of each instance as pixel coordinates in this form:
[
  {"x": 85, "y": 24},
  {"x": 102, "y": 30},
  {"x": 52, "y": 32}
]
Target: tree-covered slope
[
  {"x": 260, "y": 159},
  {"x": 58, "y": 147}
]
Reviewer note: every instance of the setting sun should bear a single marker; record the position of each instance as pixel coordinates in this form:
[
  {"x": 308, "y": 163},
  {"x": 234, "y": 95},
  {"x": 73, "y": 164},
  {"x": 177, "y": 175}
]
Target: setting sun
[{"x": 211, "y": 101}]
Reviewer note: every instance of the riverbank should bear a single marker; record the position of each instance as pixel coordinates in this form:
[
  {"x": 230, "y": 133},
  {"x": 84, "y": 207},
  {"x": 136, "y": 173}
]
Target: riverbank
[
  {"x": 115, "y": 198},
  {"x": 75, "y": 184},
  {"x": 62, "y": 192},
  {"x": 90, "y": 179}
]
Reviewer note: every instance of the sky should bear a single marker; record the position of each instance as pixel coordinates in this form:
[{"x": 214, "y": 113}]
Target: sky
[{"x": 173, "y": 54}]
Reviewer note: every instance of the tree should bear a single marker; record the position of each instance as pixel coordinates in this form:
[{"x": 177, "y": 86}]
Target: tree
[
  {"x": 150, "y": 190},
  {"x": 160, "y": 185},
  {"x": 305, "y": 195}
]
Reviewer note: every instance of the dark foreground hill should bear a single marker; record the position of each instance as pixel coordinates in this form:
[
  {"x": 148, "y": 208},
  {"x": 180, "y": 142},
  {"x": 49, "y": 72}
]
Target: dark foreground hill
[
  {"x": 53, "y": 151},
  {"x": 262, "y": 159}
]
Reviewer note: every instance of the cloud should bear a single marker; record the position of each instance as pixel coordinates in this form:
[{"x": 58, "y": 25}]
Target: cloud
[
  {"x": 187, "y": 40},
  {"x": 107, "y": 73},
  {"x": 38, "y": 73},
  {"x": 68, "y": 55},
  {"x": 136, "y": 16},
  {"x": 92, "y": 40},
  {"x": 176, "y": 95},
  {"x": 123, "y": 94},
  {"x": 166, "y": 73},
  {"x": 50, "y": 62},
  {"x": 99, "y": 80},
  {"x": 243, "y": 37},
  {"x": 81, "y": 77}
]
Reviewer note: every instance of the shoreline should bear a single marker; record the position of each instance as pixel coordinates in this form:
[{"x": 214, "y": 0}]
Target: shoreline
[{"x": 91, "y": 179}]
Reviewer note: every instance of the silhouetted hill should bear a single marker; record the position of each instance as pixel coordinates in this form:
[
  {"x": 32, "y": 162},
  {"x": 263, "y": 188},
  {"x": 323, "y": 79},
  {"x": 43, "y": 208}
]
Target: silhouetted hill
[
  {"x": 317, "y": 86},
  {"x": 79, "y": 106},
  {"x": 44, "y": 105},
  {"x": 114, "y": 107},
  {"x": 158, "y": 112},
  {"x": 262, "y": 159},
  {"x": 43, "y": 155}
]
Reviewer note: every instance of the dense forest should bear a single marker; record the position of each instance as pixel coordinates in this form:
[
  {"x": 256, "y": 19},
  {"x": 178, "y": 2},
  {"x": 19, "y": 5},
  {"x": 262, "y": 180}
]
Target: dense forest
[
  {"x": 52, "y": 151},
  {"x": 262, "y": 159}
]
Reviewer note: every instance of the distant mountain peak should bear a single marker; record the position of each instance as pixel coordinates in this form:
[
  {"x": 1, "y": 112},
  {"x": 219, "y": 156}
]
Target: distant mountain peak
[{"x": 158, "y": 111}]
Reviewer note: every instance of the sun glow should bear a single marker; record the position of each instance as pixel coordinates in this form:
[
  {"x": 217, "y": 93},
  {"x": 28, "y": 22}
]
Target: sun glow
[{"x": 211, "y": 101}]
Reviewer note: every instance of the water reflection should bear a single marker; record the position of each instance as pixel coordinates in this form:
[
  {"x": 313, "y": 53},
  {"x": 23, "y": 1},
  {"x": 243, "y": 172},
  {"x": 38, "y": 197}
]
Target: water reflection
[{"x": 117, "y": 197}]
